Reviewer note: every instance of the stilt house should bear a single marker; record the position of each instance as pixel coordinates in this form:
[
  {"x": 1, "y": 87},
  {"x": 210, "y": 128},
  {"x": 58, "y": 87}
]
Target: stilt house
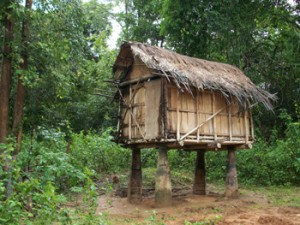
[{"x": 168, "y": 100}]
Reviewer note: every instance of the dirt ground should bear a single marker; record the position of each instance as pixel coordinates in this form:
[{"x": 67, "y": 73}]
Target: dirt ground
[{"x": 187, "y": 209}]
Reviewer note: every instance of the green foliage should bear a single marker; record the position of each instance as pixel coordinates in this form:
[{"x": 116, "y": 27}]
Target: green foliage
[
  {"x": 275, "y": 163},
  {"x": 181, "y": 160},
  {"x": 47, "y": 172},
  {"x": 99, "y": 153},
  {"x": 69, "y": 62},
  {"x": 155, "y": 219},
  {"x": 29, "y": 199},
  {"x": 207, "y": 221},
  {"x": 50, "y": 161},
  {"x": 141, "y": 21},
  {"x": 259, "y": 37}
]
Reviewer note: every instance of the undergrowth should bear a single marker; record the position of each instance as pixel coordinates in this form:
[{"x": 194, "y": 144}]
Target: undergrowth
[{"x": 47, "y": 173}]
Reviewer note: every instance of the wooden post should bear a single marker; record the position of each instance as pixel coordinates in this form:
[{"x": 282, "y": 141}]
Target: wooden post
[
  {"x": 163, "y": 189},
  {"x": 231, "y": 175},
  {"x": 199, "y": 182},
  {"x": 135, "y": 182}
]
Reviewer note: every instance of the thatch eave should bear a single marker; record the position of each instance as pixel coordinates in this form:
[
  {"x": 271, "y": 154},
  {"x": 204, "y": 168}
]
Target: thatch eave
[{"x": 189, "y": 72}]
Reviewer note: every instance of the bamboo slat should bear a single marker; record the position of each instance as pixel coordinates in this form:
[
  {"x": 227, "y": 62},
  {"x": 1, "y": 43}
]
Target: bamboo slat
[
  {"x": 214, "y": 119},
  {"x": 178, "y": 116},
  {"x": 130, "y": 111},
  {"x": 197, "y": 116},
  {"x": 246, "y": 127},
  {"x": 230, "y": 123},
  {"x": 200, "y": 125}
]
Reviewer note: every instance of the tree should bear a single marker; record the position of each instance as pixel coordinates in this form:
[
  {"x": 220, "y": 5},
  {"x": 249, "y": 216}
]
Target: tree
[
  {"x": 96, "y": 23},
  {"x": 259, "y": 37},
  {"x": 141, "y": 21},
  {"x": 20, "y": 95},
  {"x": 8, "y": 21},
  {"x": 68, "y": 60}
]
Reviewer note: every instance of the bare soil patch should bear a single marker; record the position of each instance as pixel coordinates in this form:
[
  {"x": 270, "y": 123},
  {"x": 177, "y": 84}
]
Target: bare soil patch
[{"x": 251, "y": 208}]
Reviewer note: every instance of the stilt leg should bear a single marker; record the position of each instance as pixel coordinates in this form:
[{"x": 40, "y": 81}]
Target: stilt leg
[
  {"x": 163, "y": 189},
  {"x": 135, "y": 182},
  {"x": 199, "y": 182},
  {"x": 231, "y": 176}
]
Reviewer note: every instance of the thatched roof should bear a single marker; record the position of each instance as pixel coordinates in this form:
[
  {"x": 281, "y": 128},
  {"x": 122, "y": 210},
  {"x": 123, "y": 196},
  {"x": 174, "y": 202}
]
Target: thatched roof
[{"x": 188, "y": 71}]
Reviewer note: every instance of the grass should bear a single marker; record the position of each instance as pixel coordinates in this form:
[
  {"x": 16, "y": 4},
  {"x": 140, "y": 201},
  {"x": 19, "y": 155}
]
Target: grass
[
  {"x": 285, "y": 196},
  {"x": 178, "y": 177},
  {"x": 282, "y": 195}
]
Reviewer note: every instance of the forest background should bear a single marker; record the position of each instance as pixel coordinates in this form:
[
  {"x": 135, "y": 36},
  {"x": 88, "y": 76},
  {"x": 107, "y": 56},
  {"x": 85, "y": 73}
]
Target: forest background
[{"x": 56, "y": 126}]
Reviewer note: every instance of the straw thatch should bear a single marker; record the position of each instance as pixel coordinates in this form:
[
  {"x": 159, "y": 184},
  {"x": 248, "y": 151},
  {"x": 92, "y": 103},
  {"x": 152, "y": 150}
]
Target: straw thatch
[{"x": 187, "y": 71}]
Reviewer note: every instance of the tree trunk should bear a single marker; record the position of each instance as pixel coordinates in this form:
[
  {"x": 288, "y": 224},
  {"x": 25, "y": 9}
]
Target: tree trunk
[
  {"x": 199, "y": 183},
  {"x": 6, "y": 75},
  {"x": 163, "y": 187},
  {"x": 20, "y": 96},
  {"x": 231, "y": 175},
  {"x": 135, "y": 182}
]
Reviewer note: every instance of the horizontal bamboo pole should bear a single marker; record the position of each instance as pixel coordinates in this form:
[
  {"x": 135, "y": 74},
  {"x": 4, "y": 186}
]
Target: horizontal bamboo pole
[{"x": 137, "y": 80}]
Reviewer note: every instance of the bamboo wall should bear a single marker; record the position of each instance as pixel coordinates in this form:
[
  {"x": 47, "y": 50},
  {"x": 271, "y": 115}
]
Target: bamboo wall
[
  {"x": 206, "y": 115},
  {"x": 154, "y": 110},
  {"x": 142, "y": 114}
]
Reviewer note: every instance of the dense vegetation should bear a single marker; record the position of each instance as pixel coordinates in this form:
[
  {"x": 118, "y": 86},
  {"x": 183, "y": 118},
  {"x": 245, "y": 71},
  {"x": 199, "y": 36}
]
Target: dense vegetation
[{"x": 56, "y": 125}]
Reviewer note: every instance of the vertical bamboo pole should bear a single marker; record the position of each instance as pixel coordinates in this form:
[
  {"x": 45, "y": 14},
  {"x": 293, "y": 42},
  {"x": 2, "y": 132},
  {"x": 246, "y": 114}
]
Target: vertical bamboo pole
[
  {"x": 163, "y": 188},
  {"x": 119, "y": 116},
  {"x": 163, "y": 109},
  {"x": 230, "y": 123},
  {"x": 246, "y": 126},
  {"x": 135, "y": 182},
  {"x": 231, "y": 175},
  {"x": 199, "y": 182},
  {"x": 130, "y": 111},
  {"x": 252, "y": 125},
  {"x": 214, "y": 118},
  {"x": 178, "y": 115},
  {"x": 197, "y": 114}
]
